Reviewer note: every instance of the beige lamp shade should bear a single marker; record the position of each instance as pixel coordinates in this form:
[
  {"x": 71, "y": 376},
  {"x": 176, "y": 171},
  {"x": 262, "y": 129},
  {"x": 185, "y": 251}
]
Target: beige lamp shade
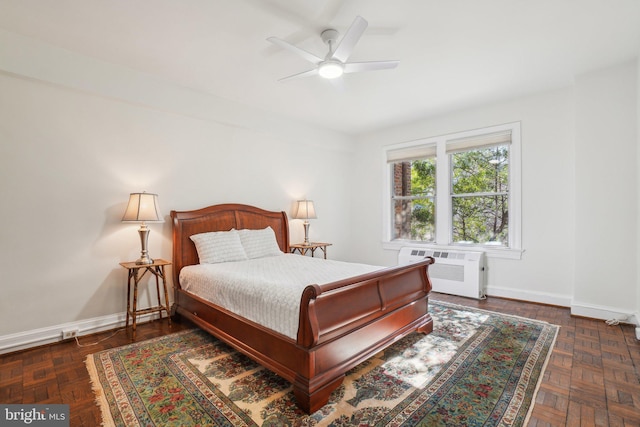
[
  {"x": 142, "y": 207},
  {"x": 305, "y": 210}
]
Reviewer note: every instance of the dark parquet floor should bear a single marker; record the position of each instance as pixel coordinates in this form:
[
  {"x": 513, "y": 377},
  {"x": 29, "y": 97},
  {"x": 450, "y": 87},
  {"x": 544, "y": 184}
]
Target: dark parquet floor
[{"x": 592, "y": 378}]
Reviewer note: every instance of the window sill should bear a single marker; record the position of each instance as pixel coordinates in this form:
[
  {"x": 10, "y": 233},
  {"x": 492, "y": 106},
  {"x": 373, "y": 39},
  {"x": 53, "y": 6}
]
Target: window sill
[{"x": 501, "y": 253}]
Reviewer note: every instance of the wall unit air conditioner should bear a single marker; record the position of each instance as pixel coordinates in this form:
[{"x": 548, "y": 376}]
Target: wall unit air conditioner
[{"x": 454, "y": 272}]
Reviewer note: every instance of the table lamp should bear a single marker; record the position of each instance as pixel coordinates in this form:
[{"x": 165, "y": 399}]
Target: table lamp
[
  {"x": 305, "y": 211},
  {"x": 143, "y": 208}
]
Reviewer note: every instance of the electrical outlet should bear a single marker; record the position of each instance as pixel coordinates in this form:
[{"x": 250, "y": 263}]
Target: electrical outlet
[{"x": 69, "y": 333}]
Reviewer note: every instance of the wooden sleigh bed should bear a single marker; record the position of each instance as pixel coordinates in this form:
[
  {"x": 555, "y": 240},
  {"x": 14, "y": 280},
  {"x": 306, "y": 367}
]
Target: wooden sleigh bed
[{"x": 341, "y": 324}]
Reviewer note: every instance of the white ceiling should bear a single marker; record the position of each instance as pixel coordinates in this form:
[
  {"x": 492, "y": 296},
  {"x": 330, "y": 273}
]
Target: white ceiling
[{"x": 453, "y": 54}]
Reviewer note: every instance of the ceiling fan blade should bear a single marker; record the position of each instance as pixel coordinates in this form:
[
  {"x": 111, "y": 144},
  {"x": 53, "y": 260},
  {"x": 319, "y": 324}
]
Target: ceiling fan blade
[
  {"x": 356, "y": 67},
  {"x": 350, "y": 38},
  {"x": 307, "y": 73},
  {"x": 295, "y": 49}
]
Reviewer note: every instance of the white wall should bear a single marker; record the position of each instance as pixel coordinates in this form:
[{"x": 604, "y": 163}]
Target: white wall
[
  {"x": 579, "y": 192},
  {"x": 74, "y": 142},
  {"x": 637, "y": 313},
  {"x": 606, "y": 191}
]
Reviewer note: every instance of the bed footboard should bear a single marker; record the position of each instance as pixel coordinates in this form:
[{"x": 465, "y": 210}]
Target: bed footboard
[{"x": 344, "y": 323}]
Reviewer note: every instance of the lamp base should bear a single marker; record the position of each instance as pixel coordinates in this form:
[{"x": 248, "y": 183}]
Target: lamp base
[
  {"x": 144, "y": 261},
  {"x": 306, "y": 233},
  {"x": 144, "y": 237}
]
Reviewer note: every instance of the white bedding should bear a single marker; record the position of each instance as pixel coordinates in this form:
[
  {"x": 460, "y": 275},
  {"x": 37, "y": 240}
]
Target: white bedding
[{"x": 266, "y": 290}]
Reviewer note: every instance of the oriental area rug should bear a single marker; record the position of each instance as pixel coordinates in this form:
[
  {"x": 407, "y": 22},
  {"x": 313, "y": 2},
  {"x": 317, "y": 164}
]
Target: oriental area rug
[{"x": 477, "y": 368}]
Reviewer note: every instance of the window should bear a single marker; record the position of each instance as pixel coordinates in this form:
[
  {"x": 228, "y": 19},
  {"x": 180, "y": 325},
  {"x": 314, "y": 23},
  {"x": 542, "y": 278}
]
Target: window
[
  {"x": 458, "y": 189},
  {"x": 413, "y": 199}
]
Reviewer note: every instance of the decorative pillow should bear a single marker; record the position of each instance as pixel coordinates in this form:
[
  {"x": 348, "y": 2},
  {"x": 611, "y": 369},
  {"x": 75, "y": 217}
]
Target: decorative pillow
[
  {"x": 259, "y": 243},
  {"x": 219, "y": 246}
]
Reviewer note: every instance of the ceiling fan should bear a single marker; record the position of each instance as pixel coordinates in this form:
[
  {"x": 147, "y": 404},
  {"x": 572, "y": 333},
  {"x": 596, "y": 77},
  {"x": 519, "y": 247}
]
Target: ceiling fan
[{"x": 334, "y": 64}]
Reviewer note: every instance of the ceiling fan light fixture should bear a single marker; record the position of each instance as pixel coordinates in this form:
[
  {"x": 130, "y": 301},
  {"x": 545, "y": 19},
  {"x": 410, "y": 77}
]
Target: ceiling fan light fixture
[
  {"x": 330, "y": 69},
  {"x": 336, "y": 62}
]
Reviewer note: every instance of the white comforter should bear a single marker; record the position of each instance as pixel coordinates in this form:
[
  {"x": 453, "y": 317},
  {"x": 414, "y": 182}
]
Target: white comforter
[{"x": 266, "y": 290}]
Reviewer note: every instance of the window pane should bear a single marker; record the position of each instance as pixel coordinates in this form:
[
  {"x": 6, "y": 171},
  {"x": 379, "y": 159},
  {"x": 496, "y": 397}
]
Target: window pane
[
  {"x": 481, "y": 219},
  {"x": 414, "y": 219},
  {"x": 414, "y": 186},
  {"x": 481, "y": 171},
  {"x": 416, "y": 178}
]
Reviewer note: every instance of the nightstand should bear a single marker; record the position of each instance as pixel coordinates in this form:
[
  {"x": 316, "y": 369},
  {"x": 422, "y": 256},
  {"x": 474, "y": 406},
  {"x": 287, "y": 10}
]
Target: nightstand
[
  {"x": 136, "y": 273},
  {"x": 302, "y": 249}
]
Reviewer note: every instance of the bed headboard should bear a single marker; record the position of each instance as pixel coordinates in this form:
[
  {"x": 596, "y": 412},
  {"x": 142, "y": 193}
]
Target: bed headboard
[{"x": 220, "y": 218}]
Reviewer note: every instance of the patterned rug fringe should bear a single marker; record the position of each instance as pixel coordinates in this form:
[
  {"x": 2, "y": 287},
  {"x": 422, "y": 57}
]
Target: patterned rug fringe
[
  {"x": 544, "y": 368},
  {"x": 101, "y": 401}
]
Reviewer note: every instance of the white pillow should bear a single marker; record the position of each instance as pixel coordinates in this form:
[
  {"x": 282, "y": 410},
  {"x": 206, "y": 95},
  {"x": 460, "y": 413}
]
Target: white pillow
[
  {"x": 259, "y": 243},
  {"x": 219, "y": 246}
]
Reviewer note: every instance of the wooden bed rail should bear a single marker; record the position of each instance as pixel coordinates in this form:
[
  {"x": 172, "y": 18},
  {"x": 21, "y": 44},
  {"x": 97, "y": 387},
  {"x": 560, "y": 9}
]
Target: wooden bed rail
[{"x": 369, "y": 296}]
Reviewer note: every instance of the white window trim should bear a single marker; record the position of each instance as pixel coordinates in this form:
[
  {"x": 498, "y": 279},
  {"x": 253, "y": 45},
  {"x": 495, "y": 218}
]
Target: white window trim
[{"x": 443, "y": 199}]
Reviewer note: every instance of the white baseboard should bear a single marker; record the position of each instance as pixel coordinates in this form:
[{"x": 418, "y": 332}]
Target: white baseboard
[
  {"x": 530, "y": 296},
  {"x": 52, "y": 334},
  {"x": 603, "y": 312},
  {"x": 577, "y": 309}
]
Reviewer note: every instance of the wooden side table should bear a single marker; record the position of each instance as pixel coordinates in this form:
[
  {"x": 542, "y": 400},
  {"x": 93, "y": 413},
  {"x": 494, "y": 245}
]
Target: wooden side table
[
  {"x": 136, "y": 273},
  {"x": 302, "y": 249}
]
